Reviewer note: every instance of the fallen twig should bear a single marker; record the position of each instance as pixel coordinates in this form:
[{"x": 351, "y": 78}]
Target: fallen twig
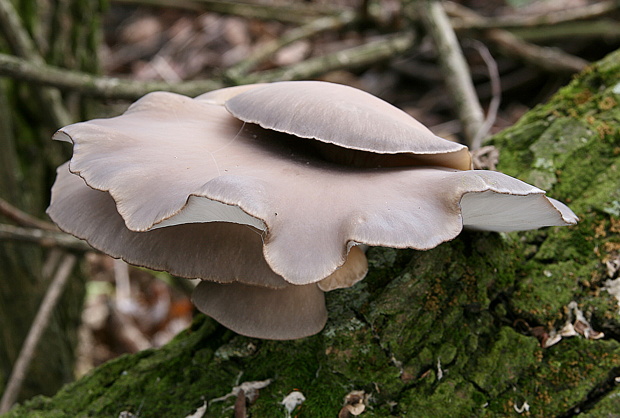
[
  {"x": 496, "y": 93},
  {"x": 22, "y": 45},
  {"x": 43, "y": 238},
  {"x": 588, "y": 11},
  {"x": 583, "y": 30},
  {"x": 22, "y": 218},
  {"x": 550, "y": 59},
  {"x": 88, "y": 84},
  {"x": 298, "y": 13},
  {"x": 311, "y": 29},
  {"x": 41, "y": 320},
  {"x": 373, "y": 51},
  {"x": 455, "y": 69}
]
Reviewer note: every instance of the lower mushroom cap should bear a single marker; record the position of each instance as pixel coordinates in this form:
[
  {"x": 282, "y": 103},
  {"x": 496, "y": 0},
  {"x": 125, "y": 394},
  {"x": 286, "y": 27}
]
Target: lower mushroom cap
[
  {"x": 255, "y": 311},
  {"x": 489, "y": 211},
  {"x": 223, "y": 252}
]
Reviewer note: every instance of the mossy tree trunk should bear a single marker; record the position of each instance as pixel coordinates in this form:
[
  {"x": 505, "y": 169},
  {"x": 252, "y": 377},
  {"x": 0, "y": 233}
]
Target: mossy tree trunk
[
  {"x": 455, "y": 331},
  {"x": 66, "y": 33}
]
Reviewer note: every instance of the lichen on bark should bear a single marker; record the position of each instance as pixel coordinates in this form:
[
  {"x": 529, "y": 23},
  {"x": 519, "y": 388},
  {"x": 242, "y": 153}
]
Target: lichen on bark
[{"x": 454, "y": 331}]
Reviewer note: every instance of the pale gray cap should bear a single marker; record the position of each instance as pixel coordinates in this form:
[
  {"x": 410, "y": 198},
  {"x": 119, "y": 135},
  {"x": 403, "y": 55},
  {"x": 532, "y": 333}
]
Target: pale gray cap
[{"x": 197, "y": 188}]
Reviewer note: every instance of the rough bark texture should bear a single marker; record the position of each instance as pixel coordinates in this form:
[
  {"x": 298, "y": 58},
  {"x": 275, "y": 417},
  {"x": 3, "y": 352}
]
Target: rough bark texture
[
  {"x": 447, "y": 332},
  {"x": 67, "y": 35}
]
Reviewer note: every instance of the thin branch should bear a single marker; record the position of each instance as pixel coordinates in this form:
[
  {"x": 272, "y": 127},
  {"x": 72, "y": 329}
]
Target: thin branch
[
  {"x": 589, "y": 11},
  {"x": 88, "y": 84},
  {"x": 550, "y": 59},
  {"x": 455, "y": 69},
  {"x": 22, "y": 218},
  {"x": 43, "y": 238},
  {"x": 298, "y": 13},
  {"x": 303, "y": 32},
  {"x": 381, "y": 49},
  {"x": 16, "y": 35},
  {"x": 590, "y": 29},
  {"x": 22, "y": 45},
  {"x": 372, "y": 52},
  {"x": 51, "y": 262},
  {"x": 9, "y": 165},
  {"x": 20, "y": 369},
  {"x": 496, "y": 92}
]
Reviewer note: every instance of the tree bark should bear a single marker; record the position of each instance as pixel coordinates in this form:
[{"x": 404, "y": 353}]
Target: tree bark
[
  {"x": 465, "y": 329},
  {"x": 63, "y": 33}
]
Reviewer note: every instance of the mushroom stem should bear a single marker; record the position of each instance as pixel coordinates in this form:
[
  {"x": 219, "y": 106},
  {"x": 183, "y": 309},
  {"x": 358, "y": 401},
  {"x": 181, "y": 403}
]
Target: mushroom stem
[{"x": 351, "y": 272}]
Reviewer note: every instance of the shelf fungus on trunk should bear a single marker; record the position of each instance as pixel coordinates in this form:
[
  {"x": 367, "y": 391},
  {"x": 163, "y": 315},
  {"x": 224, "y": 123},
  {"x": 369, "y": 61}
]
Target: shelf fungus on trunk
[{"x": 266, "y": 192}]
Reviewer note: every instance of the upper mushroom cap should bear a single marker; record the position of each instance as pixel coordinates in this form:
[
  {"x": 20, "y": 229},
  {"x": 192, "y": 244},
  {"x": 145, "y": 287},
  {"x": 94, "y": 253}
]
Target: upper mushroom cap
[
  {"x": 340, "y": 115},
  {"x": 171, "y": 160},
  {"x": 221, "y": 96}
]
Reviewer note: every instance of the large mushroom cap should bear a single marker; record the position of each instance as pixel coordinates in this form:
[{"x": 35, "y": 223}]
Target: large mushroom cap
[
  {"x": 171, "y": 160},
  {"x": 190, "y": 186},
  {"x": 221, "y": 96}
]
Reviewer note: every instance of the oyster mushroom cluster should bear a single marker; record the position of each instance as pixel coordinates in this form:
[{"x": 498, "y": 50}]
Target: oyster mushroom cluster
[{"x": 267, "y": 191}]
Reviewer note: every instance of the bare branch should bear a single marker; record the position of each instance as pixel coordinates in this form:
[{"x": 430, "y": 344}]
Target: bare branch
[
  {"x": 588, "y": 11},
  {"x": 88, "y": 84},
  {"x": 298, "y": 13},
  {"x": 550, "y": 59},
  {"x": 39, "y": 325},
  {"x": 23, "y": 46},
  {"x": 381, "y": 49},
  {"x": 496, "y": 92},
  {"x": 589, "y": 29},
  {"x": 313, "y": 28},
  {"x": 455, "y": 69},
  {"x": 22, "y": 218},
  {"x": 372, "y": 52},
  {"x": 44, "y": 238}
]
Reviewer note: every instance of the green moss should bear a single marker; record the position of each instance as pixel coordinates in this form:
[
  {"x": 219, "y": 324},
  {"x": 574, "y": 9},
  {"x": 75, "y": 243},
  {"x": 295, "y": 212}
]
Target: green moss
[
  {"x": 607, "y": 407},
  {"x": 449, "y": 397},
  {"x": 150, "y": 383},
  {"x": 566, "y": 374},
  {"x": 500, "y": 366}
]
